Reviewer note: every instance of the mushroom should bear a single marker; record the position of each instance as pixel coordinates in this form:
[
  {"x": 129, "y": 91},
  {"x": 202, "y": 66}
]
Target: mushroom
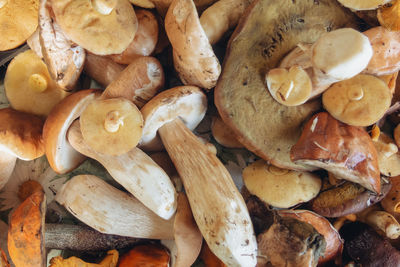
[
  {"x": 209, "y": 258},
  {"x": 363, "y": 4},
  {"x": 307, "y": 71},
  {"x": 145, "y": 255},
  {"x": 100, "y": 29},
  {"x": 138, "y": 82},
  {"x": 111, "y": 126},
  {"x": 359, "y": 101},
  {"x": 20, "y": 137},
  {"x": 388, "y": 16},
  {"x": 279, "y": 187},
  {"x": 102, "y": 69},
  {"x": 388, "y": 156},
  {"x": 346, "y": 151},
  {"x": 257, "y": 46},
  {"x": 142, "y": 177},
  {"x": 63, "y": 59},
  {"x": 19, "y": 20},
  {"x": 145, "y": 39},
  {"x": 223, "y": 134},
  {"x": 391, "y": 203},
  {"x": 194, "y": 58},
  {"x": 28, "y": 85},
  {"x": 110, "y": 260},
  {"x": 219, "y": 211},
  {"x": 61, "y": 155},
  {"x": 381, "y": 221}
]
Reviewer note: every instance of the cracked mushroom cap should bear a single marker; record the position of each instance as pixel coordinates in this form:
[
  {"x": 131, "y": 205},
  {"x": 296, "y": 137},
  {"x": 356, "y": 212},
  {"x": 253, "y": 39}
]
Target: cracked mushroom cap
[
  {"x": 86, "y": 23},
  {"x": 61, "y": 155},
  {"x": 18, "y": 20},
  {"x": 21, "y": 134},
  {"x": 346, "y": 151},
  {"x": 188, "y": 103}
]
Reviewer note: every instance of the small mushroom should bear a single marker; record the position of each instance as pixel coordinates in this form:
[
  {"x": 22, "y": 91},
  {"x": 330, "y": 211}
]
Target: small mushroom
[
  {"x": 388, "y": 156},
  {"x": 138, "y": 82},
  {"x": 279, "y": 187},
  {"x": 19, "y": 20},
  {"x": 93, "y": 25},
  {"x": 28, "y": 85},
  {"x": 145, "y": 39},
  {"x": 61, "y": 155},
  {"x": 223, "y": 134},
  {"x": 219, "y": 211},
  {"x": 110, "y": 260},
  {"x": 363, "y": 4},
  {"x": 63, "y": 59},
  {"x": 381, "y": 221},
  {"x": 194, "y": 58},
  {"x": 346, "y": 151},
  {"x": 102, "y": 69},
  {"x": 111, "y": 126},
  {"x": 20, "y": 137},
  {"x": 359, "y": 101},
  {"x": 142, "y": 177},
  {"x": 145, "y": 255}
]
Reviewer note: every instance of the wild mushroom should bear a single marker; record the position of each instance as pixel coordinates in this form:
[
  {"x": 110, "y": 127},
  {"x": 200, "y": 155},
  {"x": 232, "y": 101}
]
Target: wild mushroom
[
  {"x": 98, "y": 28},
  {"x": 279, "y": 187},
  {"x": 138, "y": 82},
  {"x": 28, "y": 85},
  {"x": 388, "y": 156},
  {"x": 363, "y": 4},
  {"x": 359, "y": 101},
  {"x": 346, "y": 151},
  {"x": 219, "y": 211},
  {"x": 194, "y": 58},
  {"x": 240, "y": 92},
  {"x": 63, "y": 59},
  {"x": 145, "y": 255},
  {"x": 388, "y": 16},
  {"x": 223, "y": 135},
  {"x": 307, "y": 71},
  {"x": 381, "y": 221},
  {"x": 19, "y": 20},
  {"x": 110, "y": 260},
  {"x": 20, "y": 137},
  {"x": 111, "y": 126},
  {"x": 142, "y": 177},
  {"x": 391, "y": 203},
  {"x": 102, "y": 69},
  {"x": 145, "y": 39}
]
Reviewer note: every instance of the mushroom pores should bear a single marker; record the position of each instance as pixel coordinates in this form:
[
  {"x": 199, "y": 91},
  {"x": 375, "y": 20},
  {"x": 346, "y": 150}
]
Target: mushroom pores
[
  {"x": 111, "y": 126},
  {"x": 279, "y": 187}
]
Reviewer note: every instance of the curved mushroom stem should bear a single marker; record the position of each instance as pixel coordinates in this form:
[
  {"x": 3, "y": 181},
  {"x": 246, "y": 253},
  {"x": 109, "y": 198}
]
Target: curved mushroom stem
[
  {"x": 382, "y": 221},
  {"x": 113, "y": 121},
  {"x": 7, "y": 164}
]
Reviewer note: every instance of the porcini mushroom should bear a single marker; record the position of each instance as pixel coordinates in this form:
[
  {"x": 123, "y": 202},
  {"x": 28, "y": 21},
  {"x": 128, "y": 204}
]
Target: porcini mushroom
[
  {"x": 148, "y": 254},
  {"x": 98, "y": 28},
  {"x": 279, "y": 187},
  {"x": 219, "y": 211},
  {"x": 111, "y": 126},
  {"x": 346, "y": 151},
  {"x": 388, "y": 156},
  {"x": 359, "y": 101},
  {"x": 223, "y": 134},
  {"x": 363, "y": 4},
  {"x": 142, "y": 177},
  {"x": 61, "y": 155},
  {"x": 102, "y": 69},
  {"x": 381, "y": 221},
  {"x": 388, "y": 16},
  {"x": 63, "y": 59},
  {"x": 110, "y": 260},
  {"x": 391, "y": 203},
  {"x": 28, "y": 85},
  {"x": 20, "y": 137},
  {"x": 19, "y": 20},
  {"x": 194, "y": 58}
]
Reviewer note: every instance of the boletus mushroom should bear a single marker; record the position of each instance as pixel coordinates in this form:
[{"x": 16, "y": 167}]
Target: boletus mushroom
[
  {"x": 388, "y": 155},
  {"x": 363, "y": 4}
]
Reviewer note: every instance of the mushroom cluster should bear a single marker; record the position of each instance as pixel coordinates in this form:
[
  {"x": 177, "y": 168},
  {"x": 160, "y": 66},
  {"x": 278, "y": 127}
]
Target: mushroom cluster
[{"x": 222, "y": 132}]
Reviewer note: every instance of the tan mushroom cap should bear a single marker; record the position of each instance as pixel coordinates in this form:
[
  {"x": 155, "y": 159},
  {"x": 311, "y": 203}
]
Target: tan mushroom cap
[
  {"x": 359, "y": 101},
  {"x": 279, "y": 187},
  {"x": 28, "y": 85},
  {"x": 61, "y": 155},
  {"x": 388, "y": 156},
  {"x": 26, "y": 232},
  {"x": 223, "y": 134},
  {"x": 21, "y": 134},
  {"x": 188, "y": 103},
  {"x": 18, "y": 20},
  {"x": 96, "y": 32},
  {"x": 111, "y": 126}
]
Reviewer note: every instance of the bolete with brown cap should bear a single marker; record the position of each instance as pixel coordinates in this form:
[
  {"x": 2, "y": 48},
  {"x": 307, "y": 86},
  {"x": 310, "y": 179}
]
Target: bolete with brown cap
[{"x": 219, "y": 211}]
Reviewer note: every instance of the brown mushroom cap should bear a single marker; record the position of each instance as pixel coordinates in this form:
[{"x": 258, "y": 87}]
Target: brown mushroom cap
[
  {"x": 18, "y": 20},
  {"x": 26, "y": 232},
  {"x": 111, "y": 126},
  {"x": 61, "y": 155},
  {"x": 98, "y": 33},
  {"x": 188, "y": 103}
]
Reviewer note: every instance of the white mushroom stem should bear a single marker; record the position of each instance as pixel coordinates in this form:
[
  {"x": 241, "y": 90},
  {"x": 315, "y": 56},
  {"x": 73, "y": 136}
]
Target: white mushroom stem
[
  {"x": 7, "y": 164},
  {"x": 217, "y": 205},
  {"x": 111, "y": 211},
  {"x": 382, "y": 221},
  {"x": 104, "y": 7},
  {"x": 113, "y": 121},
  {"x": 136, "y": 172}
]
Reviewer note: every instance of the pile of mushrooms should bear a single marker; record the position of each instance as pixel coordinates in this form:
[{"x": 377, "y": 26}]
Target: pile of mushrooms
[{"x": 165, "y": 95}]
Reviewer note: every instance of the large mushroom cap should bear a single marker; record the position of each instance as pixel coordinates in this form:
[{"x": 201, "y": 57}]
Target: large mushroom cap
[
  {"x": 101, "y": 34},
  {"x": 18, "y": 21},
  {"x": 21, "y": 134},
  {"x": 188, "y": 103}
]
